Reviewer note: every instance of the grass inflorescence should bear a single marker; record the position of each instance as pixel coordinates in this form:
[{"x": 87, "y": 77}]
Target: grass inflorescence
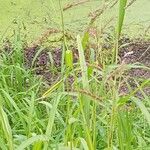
[{"x": 80, "y": 96}]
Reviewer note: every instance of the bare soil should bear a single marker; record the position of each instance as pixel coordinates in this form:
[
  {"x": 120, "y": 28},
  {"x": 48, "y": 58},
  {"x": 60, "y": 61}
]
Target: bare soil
[
  {"x": 131, "y": 51},
  {"x": 136, "y": 51}
]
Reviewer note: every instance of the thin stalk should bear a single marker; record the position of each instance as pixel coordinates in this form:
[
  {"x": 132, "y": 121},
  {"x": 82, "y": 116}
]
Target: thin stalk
[
  {"x": 112, "y": 123},
  {"x": 69, "y": 131},
  {"x": 64, "y": 38},
  {"x": 113, "y": 116},
  {"x": 94, "y": 125}
]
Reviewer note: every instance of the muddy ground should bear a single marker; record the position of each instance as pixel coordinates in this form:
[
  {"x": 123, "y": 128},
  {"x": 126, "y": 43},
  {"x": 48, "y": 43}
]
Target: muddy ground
[
  {"x": 131, "y": 51},
  {"x": 136, "y": 51}
]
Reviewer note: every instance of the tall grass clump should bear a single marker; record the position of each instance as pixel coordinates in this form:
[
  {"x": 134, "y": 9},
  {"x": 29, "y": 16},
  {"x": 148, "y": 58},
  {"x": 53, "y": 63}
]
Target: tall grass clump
[{"x": 83, "y": 109}]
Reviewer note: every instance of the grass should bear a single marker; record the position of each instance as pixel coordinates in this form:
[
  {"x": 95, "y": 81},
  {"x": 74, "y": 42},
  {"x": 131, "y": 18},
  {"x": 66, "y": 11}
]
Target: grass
[{"x": 89, "y": 114}]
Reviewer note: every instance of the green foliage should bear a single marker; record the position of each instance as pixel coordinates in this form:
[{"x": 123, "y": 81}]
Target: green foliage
[
  {"x": 122, "y": 5},
  {"x": 69, "y": 59},
  {"x": 89, "y": 114}
]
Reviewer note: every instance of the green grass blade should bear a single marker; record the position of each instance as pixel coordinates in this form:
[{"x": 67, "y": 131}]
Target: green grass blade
[
  {"x": 84, "y": 144},
  {"x": 69, "y": 59},
  {"x": 85, "y": 82},
  {"x": 51, "y": 89},
  {"x": 143, "y": 109},
  {"x": 84, "y": 101},
  {"x": 122, "y": 5},
  {"x": 31, "y": 140},
  {"x": 6, "y": 128},
  {"x": 83, "y": 65},
  {"x": 51, "y": 119},
  {"x": 36, "y": 55}
]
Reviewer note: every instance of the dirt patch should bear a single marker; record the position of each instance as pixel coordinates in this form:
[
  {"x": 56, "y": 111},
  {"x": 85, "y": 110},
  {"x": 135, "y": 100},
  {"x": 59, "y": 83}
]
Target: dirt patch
[
  {"x": 48, "y": 61},
  {"x": 131, "y": 51},
  {"x": 136, "y": 51}
]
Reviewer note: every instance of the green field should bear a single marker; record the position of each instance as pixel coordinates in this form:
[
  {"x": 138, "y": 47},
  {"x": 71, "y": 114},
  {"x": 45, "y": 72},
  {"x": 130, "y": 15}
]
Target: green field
[{"x": 38, "y": 15}]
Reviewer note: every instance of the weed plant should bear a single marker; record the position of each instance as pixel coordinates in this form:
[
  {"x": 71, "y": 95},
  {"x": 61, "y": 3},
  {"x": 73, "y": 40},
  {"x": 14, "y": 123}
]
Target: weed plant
[{"x": 92, "y": 116}]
